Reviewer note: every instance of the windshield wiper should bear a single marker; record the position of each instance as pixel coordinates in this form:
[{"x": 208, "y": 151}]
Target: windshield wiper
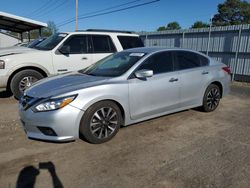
[{"x": 90, "y": 74}]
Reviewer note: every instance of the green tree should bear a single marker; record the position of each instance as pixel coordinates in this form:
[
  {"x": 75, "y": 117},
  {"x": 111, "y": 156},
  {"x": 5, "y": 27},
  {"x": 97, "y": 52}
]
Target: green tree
[
  {"x": 50, "y": 30},
  {"x": 170, "y": 26},
  {"x": 199, "y": 24},
  {"x": 232, "y": 12},
  {"x": 162, "y": 28},
  {"x": 173, "y": 25}
]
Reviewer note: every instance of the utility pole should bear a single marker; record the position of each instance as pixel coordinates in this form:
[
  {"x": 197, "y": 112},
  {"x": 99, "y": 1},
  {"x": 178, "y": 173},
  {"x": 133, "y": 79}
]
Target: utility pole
[{"x": 76, "y": 15}]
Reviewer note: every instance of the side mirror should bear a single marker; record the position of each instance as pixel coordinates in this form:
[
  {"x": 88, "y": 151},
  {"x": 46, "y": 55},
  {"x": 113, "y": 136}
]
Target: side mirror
[
  {"x": 143, "y": 73},
  {"x": 64, "y": 49}
]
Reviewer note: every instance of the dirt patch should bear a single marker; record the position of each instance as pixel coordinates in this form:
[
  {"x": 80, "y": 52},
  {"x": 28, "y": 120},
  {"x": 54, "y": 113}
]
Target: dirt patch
[{"x": 185, "y": 149}]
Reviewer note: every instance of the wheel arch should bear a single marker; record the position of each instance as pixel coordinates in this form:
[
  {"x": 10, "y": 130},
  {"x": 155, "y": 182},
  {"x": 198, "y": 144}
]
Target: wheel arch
[
  {"x": 120, "y": 106},
  {"x": 219, "y": 84},
  {"x": 38, "y": 69}
]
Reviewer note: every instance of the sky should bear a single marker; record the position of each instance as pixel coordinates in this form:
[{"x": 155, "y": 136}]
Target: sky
[{"x": 143, "y": 18}]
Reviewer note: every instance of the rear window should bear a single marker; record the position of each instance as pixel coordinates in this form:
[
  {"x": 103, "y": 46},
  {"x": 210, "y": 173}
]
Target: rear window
[
  {"x": 102, "y": 44},
  {"x": 130, "y": 42},
  {"x": 203, "y": 60}
]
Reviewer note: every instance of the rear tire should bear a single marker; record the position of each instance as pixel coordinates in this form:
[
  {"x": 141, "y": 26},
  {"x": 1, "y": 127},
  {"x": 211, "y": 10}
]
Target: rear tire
[
  {"x": 211, "y": 98},
  {"x": 101, "y": 122},
  {"x": 23, "y": 80}
]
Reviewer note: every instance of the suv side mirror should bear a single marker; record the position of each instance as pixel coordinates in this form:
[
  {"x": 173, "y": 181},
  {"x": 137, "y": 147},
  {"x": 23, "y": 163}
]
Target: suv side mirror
[
  {"x": 64, "y": 49},
  {"x": 143, "y": 73}
]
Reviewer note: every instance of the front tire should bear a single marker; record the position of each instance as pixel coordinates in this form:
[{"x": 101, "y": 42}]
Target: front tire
[
  {"x": 23, "y": 80},
  {"x": 211, "y": 98},
  {"x": 101, "y": 122}
]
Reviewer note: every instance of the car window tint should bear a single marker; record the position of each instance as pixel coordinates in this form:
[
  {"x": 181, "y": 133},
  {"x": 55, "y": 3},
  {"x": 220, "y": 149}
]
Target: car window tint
[
  {"x": 160, "y": 63},
  {"x": 77, "y": 44},
  {"x": 204, "y": 61},
  {"x": 187, "y": 60},
  {"x": 102, "y": 44},
  {"x": 130, "y": 42}
]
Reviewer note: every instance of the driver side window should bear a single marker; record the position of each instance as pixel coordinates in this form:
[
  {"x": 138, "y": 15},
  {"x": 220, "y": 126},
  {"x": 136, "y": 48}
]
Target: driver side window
[
  {"x": 77, "y": 44},
  {"x": 161, "y": 62}
]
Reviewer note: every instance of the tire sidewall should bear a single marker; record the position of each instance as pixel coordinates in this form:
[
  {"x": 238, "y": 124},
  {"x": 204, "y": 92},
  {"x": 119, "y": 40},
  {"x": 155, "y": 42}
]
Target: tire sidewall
[
  {"x": 209, "y": 88},
  {"x": 86, "y": 119},
  {"x": 14, "y": 84}
]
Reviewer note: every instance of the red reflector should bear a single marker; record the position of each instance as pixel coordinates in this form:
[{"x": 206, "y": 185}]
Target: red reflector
[{"x": 227, "y": 69}]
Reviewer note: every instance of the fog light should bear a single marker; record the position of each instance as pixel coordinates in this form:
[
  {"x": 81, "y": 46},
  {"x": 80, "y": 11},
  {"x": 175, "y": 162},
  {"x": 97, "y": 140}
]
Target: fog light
[
  {"x": 2, "y": 64},
  {"x": 47, "y": 131}
]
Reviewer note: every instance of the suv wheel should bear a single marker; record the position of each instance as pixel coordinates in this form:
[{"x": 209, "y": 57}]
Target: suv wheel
[
  {"x": 101, "y": 122},
  {"x": 23, "y": 80},
  {"x": 211, "y": 98}
]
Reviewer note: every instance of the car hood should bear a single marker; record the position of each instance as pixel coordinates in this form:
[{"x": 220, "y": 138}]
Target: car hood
[
  {"x": 14, "y": 50},
  {"x": 61, "y": 84}
]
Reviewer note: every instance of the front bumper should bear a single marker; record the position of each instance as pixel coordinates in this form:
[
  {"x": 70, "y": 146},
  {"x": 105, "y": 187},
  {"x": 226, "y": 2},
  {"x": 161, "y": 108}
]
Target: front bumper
[
  {"x": 64, "y": 123},
  {"x": 3, "y": 81}
]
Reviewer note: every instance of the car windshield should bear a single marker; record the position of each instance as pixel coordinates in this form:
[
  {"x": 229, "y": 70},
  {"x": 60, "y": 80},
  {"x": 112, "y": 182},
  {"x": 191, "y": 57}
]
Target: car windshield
[
  {"x": 51, "y": 42},
  {"x": 35, "y": 43},
  {"x": 113, "y": 65}
]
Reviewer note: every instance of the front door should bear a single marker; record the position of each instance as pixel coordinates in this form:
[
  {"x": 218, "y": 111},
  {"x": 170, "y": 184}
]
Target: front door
[
  {"x": 77, "y": 58},
  {"x": 157, "y": 94}
]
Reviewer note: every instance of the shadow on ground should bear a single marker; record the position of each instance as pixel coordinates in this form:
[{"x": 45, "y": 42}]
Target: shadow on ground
[
  {"x": 5, "y": 94},
  {"x": 27, "y": 176}
]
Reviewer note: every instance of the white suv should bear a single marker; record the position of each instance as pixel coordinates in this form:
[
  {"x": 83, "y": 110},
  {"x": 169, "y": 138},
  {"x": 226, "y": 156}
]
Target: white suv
[{"x": 60, "y": 53}]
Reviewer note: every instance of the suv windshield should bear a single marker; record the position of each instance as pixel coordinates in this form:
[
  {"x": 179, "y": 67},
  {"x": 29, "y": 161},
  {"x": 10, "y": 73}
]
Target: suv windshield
[
  {"x": 35, "y": 42},
  {"x": 113, "y": 65},
  {"x": 51, "y": 42}
]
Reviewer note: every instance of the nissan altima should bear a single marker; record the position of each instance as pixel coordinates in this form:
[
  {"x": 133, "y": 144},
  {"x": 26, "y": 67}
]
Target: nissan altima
[{"x": 125, "y": 88}]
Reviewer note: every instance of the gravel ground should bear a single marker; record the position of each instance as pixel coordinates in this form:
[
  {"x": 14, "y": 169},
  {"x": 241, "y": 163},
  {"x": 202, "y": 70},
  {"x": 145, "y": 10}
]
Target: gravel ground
[{"x": 185, "y": 149}]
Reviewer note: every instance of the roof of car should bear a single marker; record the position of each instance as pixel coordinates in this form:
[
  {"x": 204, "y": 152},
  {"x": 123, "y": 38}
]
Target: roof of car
[
  {"x": 158, "y": 49},
  {"x": 103, "y": 33}
]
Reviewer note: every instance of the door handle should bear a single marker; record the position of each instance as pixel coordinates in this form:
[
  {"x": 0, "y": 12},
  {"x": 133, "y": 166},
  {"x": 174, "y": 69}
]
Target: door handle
[
  {"x": 173, "y": 80},
  {"x": 205, "y": 72},
  {"x": 84, "y": 58}
]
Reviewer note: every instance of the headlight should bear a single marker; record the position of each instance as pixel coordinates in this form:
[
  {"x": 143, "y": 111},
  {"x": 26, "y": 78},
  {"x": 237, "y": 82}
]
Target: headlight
[
  {"x": 53, "y": 104},
  {"x": 2, "y": 64}
]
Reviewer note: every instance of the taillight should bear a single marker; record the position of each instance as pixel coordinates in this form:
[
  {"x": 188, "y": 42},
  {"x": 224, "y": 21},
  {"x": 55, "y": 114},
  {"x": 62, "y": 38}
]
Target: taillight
[{"x": 227, "y": 70}]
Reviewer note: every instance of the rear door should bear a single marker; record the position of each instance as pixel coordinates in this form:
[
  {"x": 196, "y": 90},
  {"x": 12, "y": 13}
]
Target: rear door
[
  {"x": 157, "y": 94},
  {"x": 78, "y": 58},
  {"x": 194, "y": 75}
]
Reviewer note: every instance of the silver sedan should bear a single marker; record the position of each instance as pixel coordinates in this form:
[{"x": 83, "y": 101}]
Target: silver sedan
[{"x": 122, "y": 89}]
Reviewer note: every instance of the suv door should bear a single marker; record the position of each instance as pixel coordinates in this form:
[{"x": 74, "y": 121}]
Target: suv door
[
  {"x": 157, "y": 94},
  {"x": 101, "y": 46},
  {"x": 78, "y": 56},
  {"x": 194, "y": 76}
]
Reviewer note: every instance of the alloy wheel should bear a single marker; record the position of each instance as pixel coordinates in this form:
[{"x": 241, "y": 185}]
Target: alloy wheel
[
  {"x": 104, "y": 122},
  {"x": 213, "y": 98},
  {"x": 26, "y": 82}
]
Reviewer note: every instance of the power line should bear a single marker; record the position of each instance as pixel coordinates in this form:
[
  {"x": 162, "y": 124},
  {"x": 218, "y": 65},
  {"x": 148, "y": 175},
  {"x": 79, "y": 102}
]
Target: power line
[
  {"x": 42, "y": 8},
  {"x": 52, "y": 9},
  {"x": 110, "y": 12},
  {"x": 94, "y": 12}
]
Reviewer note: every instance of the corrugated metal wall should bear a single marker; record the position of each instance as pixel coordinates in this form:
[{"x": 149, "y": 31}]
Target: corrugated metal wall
[{"x": 228, "y": 44}]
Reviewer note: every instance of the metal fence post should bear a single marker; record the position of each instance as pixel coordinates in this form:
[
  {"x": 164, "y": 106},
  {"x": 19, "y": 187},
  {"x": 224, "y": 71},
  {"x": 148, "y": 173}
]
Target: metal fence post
[
  {"x": 183, "y": 38},
  {"x": 236, "y": 58},
  {"x": 209, "y": 37}
]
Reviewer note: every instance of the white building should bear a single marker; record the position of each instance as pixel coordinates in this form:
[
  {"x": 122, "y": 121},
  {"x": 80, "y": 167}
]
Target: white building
[{"x": 8, "y": 40}]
